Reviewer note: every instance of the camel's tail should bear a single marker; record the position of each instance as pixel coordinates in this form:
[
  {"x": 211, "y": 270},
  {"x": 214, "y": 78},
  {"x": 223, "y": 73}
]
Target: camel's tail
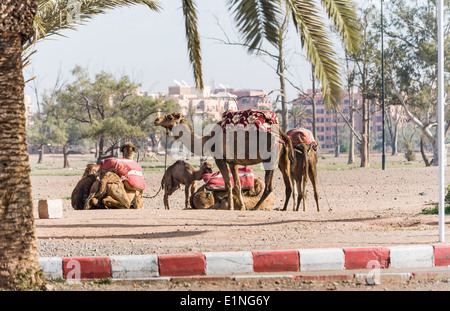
[{"x": 160, "y": 188}]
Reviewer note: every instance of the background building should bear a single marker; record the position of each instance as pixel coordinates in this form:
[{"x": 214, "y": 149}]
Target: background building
[{"x": 330, "y": 122}]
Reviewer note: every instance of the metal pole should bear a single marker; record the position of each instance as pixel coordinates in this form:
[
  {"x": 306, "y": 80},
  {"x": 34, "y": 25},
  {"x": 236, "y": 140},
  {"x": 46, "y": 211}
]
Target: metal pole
[
  {"x": 383, "y": 157},
  {"x": 441, "y": 146}
]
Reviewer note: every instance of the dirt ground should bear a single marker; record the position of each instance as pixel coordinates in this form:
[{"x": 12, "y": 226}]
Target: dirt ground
[{"x": 358, "y": 207}]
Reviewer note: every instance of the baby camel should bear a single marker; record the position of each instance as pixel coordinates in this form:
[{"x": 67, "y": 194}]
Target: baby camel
[{"x": 183, "y": 173}]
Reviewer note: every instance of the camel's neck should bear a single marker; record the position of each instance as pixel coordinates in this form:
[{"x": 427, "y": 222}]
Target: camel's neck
[
  {"x": 128, "y": 156},
  {"x": 188, "y": 138},
  {"x": 198, "y": 174}
]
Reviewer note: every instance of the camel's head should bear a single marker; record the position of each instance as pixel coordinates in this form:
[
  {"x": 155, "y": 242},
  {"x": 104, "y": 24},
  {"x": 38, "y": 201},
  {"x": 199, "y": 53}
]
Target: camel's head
[
  {"x": 206, "y": 167},
  {"x": 90, "y": 169},
  {"x": 170, "y": 120},
  {"x": 128, "y": 150}
]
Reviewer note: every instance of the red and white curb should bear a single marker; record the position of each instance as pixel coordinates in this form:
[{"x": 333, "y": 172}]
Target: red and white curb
[{"x": 247, "y": 262}]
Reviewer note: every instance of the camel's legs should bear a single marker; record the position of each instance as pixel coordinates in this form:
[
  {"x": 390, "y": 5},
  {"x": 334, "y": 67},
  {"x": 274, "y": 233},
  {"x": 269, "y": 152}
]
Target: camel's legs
[
  {"x": 285, "y": 166},
  {"x": 268, "y": 180},
  {"x": 313, "y": 177},
  {"x": 94, "y": 188},
  {"x": 294, "y": 193},
  {"x": 223, "y": 167},
  {"x": 299, "y": 194},
  {"x": 189, "y": 189},
  {"x": 168, "y": 191},
  {"x": 110, "y": 202},
  {"x": 117, "y": 197},
  {"x": 139, "y": 203},
  {"x": 237, "y": 185}
]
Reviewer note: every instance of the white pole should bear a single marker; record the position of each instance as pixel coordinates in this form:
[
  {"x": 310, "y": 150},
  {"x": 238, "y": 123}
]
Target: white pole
[{"x": 440, "y": 22}]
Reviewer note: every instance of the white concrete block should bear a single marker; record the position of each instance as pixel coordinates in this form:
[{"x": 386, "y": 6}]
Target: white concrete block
[
  {"x": 52, "y": 267},
  {"x": 220, "y": 263},
  {"x": 49, "y": 209},
  {"x": 134, "y": 267},
  {"x": 412, "y": 256},
  {"x": 322, "y": 259}
]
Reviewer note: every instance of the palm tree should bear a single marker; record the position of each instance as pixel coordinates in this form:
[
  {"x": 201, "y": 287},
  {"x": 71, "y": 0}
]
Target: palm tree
[
  {"x": 19, "y": 263},
  {"x": 255, "y": 19},
  {"x": 298, "y": 113},
  {"x": 258, "y": 20}
]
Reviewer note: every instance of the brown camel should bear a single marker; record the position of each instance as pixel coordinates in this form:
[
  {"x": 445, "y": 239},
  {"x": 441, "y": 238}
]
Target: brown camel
[
  {"x": 217, "y": 199},
  {"x": 150, "y": 155},
  {"x": 182, "y": 173},
  {"x": 305, "y": 165},
  {"x": 113, "y": 192},
  {"x": 82, "y": 189},
  {"x": 110, "y": 192},
  {"x": 283, "y": 154}
]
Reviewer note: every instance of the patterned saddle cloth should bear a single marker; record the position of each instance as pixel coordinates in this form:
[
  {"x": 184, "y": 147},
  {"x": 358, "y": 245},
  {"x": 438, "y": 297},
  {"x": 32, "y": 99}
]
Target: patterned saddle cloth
[
  {"x": 240, "y": 119},
  {"x": 251, "y": 119}
]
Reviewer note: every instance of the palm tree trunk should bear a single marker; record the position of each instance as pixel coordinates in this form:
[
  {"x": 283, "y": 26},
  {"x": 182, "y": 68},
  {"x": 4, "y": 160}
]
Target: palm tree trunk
[
  {"x": 351, "y": 148},
  {"x": 19, "y": 262},
  {"x": 280, "y": 72},
  {"x": 313, "y": 99}
]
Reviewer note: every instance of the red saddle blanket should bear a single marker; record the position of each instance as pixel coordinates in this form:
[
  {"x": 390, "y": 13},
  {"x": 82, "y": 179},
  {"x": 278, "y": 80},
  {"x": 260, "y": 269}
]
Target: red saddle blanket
[
  {"x": 302, "y": 136},
  {"x": 127, "y": 170},
  {"x": 261, "y": 119},
  {"x": 215, "y": 181}
]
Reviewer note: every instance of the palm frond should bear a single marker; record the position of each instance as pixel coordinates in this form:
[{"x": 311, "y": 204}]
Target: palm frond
[
  {"x": 256, "y": 20},
  {"x": 345, "y": 20},
  {"x": 318, "y": 47},
  {"x": 193, "y": 40},
  {"x": 54, "y": 16}
]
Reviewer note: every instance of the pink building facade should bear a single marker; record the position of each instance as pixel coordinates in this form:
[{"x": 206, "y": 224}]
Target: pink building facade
[
  {"x": 327, "y": 121},
  {"x": 249, "y": 99}
]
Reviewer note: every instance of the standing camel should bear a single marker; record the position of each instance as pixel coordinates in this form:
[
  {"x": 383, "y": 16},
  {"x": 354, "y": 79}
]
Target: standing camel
[
  {"x": 305, "y": 165},
  {"x": 305, "y": 147},
  {"x": 226, "y": 154},
  {"x": 182, "y": 172}
]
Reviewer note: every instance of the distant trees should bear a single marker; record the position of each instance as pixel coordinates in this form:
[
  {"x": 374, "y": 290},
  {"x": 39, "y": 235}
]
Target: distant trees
[
  {"x": 104, "y": 109},
  {"x": 411, "y": 58}
]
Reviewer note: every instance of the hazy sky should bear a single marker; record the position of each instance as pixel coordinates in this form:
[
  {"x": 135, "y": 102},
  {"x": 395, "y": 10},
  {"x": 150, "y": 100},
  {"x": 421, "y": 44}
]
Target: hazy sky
[{"x": 151, "y": 48}]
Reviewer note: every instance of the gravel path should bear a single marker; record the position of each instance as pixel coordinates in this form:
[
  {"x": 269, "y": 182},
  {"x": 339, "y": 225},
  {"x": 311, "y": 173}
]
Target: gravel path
[{"x": 370, "y": 207}]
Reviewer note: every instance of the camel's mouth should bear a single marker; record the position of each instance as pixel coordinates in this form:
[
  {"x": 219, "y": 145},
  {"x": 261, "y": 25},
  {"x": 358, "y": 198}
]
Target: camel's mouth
[
  {"x": 160, "y": 122},
  {"x": 157, "y": 122}
]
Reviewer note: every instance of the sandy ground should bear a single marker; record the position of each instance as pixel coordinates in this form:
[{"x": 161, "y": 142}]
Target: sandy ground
[{"x": 359, "y": 207}]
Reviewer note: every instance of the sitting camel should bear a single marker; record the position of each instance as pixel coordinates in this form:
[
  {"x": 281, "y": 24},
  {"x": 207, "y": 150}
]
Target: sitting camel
[
  {"x": 182, "y": 173},
  {"x": 120, "y": 184},
  {"x": 82, "y": 189},
  {"x": 218, "y": 199},
  {"x": 150, "y": 155},
  {"x": 305, "y": 164}
]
